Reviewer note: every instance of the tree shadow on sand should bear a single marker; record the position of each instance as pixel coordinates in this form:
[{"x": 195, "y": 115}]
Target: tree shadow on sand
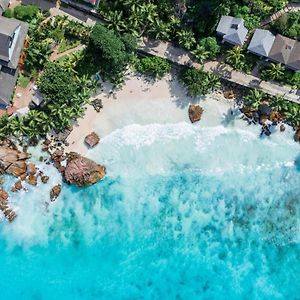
[
  {"x": 179, "y": 93},
  {"x": 230, "y": 117}
]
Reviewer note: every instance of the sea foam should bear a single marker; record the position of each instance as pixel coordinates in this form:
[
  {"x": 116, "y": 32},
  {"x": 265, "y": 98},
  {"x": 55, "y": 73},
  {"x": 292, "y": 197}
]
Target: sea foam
[{"x": 185, "y": 212}]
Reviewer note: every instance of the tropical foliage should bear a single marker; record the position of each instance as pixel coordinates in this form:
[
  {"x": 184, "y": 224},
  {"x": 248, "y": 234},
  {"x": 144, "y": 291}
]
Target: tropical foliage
[
  {"x": 111, "y": 52},
  {"x": 235, "y": 57},
  {"x": 199, "y": 82},
  {"x": 274, "y": 72},
  {"x": 288, "y": 25},
  {"x": 288, "y": 110},
  {"x": 153, "y": 67}
]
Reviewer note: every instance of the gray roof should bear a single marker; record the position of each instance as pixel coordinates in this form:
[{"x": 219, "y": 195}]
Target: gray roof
[
  {"x": 3, "y": 5},
  {"x": 261, "y": 42},
  {"x": 8, "y": 79},
  {"x": 294, "y": 58},
  {"x": 281, "y": 49},
  {"x": 232, "y": 30},
  {"x": 7, "y": 29}
]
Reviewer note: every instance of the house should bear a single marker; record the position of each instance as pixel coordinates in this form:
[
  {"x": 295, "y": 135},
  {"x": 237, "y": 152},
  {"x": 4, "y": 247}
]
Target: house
[
  {"x": 281, "y": 49},
  {"x": 294, "y": 58},
  {"x": 12, "y": 37},
  {"x": 3, "y": 5},
  {"x": 90, "y": 3},
  {"x": 261, "y": 42},
  {"x": 232, "y": 30},
  {"x": 93, "y": 2}
]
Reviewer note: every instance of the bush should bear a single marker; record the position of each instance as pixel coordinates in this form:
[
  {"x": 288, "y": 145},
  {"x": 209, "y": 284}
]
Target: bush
[
  {"x": 154, "y": 67},
  {"x": 25, "y": 12},
  {"x": 57, "y": 84},
  {"x": 9, "y": 13},
  {"x": 288, "y": 25},
  {"x": 210, "y": 45},
  {"x": 199, "y": 82},
  {"x": 110, "y": 51}
]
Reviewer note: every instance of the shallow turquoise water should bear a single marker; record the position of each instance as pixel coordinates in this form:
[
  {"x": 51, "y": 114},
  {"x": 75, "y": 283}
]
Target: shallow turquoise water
[{"x": 184, "y": 213}]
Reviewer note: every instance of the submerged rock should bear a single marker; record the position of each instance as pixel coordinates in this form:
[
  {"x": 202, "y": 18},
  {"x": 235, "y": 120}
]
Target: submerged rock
[
  {"x": 44, "y": 179},
  {"x": 297, "y": 135},
  {"x": 17, "y": 186},
  {"x": 55, "y": 192},
  {"x": 31, "y": 179},
  {"x": 282, "y": 128},
  {"x": 9, "y": 214},
  {"x": 81, "y": 171},
  {"x": 195, "y": 112},
  {"x": 92, "y": 139}
]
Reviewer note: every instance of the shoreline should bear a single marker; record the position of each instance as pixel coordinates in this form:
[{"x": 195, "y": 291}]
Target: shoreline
[{"x": 144, "y": 102}]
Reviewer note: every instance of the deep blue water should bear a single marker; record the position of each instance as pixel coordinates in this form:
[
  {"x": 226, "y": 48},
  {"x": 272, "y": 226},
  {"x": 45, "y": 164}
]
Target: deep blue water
[{"x": 184, "y": 213}]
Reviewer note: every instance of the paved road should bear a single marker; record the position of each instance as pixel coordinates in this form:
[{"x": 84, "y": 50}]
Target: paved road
[{"x": 181, "y": 57}]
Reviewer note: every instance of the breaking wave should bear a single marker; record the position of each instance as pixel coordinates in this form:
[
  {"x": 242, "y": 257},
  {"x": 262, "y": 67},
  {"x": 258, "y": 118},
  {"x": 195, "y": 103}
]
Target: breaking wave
[{"x": 184, "y": 213}]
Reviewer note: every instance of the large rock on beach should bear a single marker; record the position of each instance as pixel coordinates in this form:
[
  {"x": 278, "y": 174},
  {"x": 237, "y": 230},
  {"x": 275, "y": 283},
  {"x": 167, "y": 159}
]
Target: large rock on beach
[
  {"x": 195, "y": 112},
  {"x": 92, "y": 140},
  {"x": 229, "y": 94},
  {"x": 81, "y": 171}
]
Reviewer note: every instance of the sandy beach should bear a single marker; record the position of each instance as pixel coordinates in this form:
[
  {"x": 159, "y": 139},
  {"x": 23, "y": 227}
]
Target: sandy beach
[{"x": 142, "y": 102}]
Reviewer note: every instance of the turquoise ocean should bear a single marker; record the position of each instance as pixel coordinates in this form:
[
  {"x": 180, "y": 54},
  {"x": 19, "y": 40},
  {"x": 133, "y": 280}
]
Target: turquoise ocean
[{"x": 185, "y": 212}]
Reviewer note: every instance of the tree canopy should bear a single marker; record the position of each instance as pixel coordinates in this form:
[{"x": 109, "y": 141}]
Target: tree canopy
[{"x": 57, "y": 84}]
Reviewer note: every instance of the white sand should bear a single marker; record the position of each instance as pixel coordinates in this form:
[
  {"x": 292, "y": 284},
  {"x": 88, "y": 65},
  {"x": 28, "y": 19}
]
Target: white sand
[{"x": 141, "y": 102}]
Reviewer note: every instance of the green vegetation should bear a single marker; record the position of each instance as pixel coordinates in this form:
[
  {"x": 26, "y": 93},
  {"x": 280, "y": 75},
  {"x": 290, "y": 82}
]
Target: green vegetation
[
  {"x": 198, "y": 82},
  {"x": 273, "y": 71},
  {"x": 240, "y": 60},
  {"x": 288, "y": 111},
  {"x": 153, "y": 67},
  {"x": 288, "y": 25},
  {"x": 111, "y": 52},
  {"x": 45, "y": 36},
  {"x": 24, "y": 13},
  {"x": 23, "y": 81},
  {"x": 67, "y": 45},
  {"x": 207, "y": 48},
  {"x": 65, "y": 95}
]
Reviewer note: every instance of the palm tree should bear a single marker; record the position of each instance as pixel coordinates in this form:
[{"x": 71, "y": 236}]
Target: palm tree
[
  {"x": 200, "y": 53},
  {"x": 213, "y": 81},
  {"x": 186, "y": 39},
  {"x": 254, "y": 98},
  {"x": 235, "y": 57},
  {"x": 292, "y": 113},
  {"x": 275, "y": 71},
  {"x": 115, "y": 20},
  {"x": 160, "y": 30},
  {"x": 278, "y": 103}
]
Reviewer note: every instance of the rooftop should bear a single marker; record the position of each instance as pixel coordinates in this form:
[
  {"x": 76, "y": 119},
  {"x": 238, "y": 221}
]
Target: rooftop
[
  {"x": 232, "y": 30},
  {"x": 281, "y": 49},
  {"x": 261, "y": 42}
]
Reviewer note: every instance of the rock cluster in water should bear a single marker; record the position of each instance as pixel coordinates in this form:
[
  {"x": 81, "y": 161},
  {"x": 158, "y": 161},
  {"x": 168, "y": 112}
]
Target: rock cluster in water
[{"x": 9, "y": 214}]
